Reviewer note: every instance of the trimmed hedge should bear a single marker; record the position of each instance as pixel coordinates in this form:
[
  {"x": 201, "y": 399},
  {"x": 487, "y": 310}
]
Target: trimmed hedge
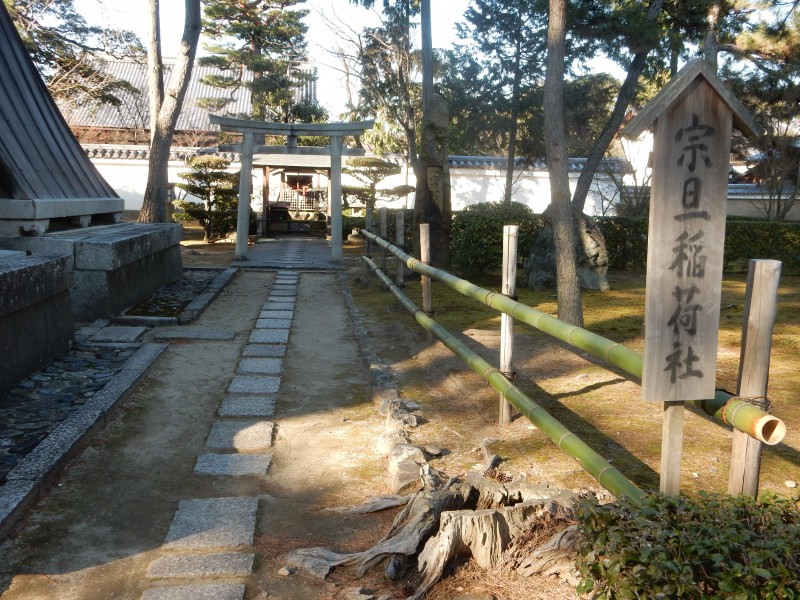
[
  {"x": 477, "y": 235},
  {"x": 477, "y": 238},
  {"x": 711, "y": 546}
]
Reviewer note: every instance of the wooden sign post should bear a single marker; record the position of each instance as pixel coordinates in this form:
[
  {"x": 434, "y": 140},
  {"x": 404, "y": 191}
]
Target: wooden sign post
[{"x": 692, "y": 116}]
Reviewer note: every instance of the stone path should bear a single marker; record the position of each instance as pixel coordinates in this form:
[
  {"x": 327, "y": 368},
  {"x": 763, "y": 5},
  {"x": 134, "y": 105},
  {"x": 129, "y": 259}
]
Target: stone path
[
  {"x": 211, "y": 537},
  {"x": 294, "y": 253}
]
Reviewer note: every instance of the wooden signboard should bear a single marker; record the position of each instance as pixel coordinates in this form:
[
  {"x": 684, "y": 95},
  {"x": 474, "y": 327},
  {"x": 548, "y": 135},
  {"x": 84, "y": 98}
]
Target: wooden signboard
[{"x": 693, "y": 118}]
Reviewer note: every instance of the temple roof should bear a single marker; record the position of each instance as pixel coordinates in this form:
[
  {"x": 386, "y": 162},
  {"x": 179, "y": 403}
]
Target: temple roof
[{"x": 39, "y": 156}]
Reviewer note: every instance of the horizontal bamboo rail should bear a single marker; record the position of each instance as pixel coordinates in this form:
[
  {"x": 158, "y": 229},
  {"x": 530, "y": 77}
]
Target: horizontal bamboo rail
[
  {"x": 739, "y": 413},
  {"x": 607, "y": 475}
]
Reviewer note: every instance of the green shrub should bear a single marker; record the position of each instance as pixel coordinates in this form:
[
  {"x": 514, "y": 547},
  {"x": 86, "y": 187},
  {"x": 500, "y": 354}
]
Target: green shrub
[
  {"x": 477, "y": 235},
  {"x": 680, "y": 547},
  {"x": 217, "y": 196},
  {"x": 626, "y": 242},
  {"x": 761, "y": 239}
]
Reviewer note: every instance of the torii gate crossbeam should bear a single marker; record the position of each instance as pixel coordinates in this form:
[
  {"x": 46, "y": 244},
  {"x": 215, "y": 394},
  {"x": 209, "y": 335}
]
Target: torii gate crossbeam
[{"x": 251, "y": 129}]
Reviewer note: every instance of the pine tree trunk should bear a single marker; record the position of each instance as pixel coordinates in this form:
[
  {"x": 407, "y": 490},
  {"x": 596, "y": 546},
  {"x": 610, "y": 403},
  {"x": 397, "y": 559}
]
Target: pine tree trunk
[
  {"x": 569, "y": 291},
  {"x": 626, "y": 94},
  {"x": 162, "y": 123}
]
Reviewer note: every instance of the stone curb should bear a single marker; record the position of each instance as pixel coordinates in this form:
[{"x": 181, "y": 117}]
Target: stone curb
[
  {"x": 190, "y": 312},
  {"x": 201, "y": 302},
  {"x": 36, "y": 472}
]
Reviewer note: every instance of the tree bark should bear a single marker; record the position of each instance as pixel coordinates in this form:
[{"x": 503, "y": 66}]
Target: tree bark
[
  {"x": 569, "y": 291},
  {"x": 512, "y": 133},
  {"x": 164, "y": 119}
]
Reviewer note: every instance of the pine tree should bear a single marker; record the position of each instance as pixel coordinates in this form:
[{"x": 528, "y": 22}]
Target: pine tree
[{"x": 267, "y": 38}]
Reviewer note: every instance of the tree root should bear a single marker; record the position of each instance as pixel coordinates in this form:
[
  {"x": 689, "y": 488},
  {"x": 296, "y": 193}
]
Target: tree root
[{"x": 518, "y": 526}]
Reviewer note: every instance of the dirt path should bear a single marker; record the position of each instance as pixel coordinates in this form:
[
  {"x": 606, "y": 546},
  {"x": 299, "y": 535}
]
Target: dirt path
[{"x": 104, "y": 521}]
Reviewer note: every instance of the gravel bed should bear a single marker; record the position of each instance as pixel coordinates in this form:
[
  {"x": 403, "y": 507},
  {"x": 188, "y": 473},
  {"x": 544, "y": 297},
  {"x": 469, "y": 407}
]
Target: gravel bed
[
  {"x": 171, "y": 299},
  {"x": 29, "y": 412}
]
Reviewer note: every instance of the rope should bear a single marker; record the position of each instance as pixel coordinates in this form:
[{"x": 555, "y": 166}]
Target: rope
[{"x": 761, "y": 402}]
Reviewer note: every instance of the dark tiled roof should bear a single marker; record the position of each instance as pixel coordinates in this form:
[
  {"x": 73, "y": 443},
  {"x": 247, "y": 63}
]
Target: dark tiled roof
[
  {"x": 143, "y": 153},
  {"x": 39, "y": 156},
  {"x": 133, "y": 113},
  {"x": 615, "y": 165}
]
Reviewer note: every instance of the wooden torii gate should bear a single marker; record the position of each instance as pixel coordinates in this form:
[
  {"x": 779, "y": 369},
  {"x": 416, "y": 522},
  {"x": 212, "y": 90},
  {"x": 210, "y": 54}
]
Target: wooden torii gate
[{"x": 250, "y": 129}]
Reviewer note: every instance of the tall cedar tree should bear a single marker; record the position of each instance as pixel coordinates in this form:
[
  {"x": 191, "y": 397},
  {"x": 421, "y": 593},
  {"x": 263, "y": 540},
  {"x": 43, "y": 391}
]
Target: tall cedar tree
[
  {"x": 266, "y": 37},
  {"x": 69, "y": 52},
  {"x": 509, "y": 34}
]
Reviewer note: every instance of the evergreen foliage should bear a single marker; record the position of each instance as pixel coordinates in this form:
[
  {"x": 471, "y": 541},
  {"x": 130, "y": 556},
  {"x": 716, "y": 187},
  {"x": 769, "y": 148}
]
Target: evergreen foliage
[
  {"x": 70, "y": 53},
  {"x": 267, "y": 37},
  {"x": 681, "y": 547},
  {"x": 217, "y": 193}
]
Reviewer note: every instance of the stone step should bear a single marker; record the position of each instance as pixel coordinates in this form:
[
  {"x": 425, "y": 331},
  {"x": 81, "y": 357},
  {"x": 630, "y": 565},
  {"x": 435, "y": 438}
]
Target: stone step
[
  {"x": 247, "y": 406},
  {"x": 242, "y": 436},
  {"x": 212, "y": 523},
  {"x": 233, "y": 465},
  {"x": 207, "y": 591},
  {"x": 269, "y": 336},
  {"x": 260, "y": 366},
  {"x": 254, "y": 384},
  {"x": 202, "y": 565},
  {"x": 275, "y": 350},
  {"x": 272, "y": 323}
]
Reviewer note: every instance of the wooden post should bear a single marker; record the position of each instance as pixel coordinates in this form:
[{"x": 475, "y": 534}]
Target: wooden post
[
  {"x": 384, "y": 236},
  {"x": 693, "y": 116},
  {"x": 399, "y": 241},
  {"x": 425, "y": 256},
  {"x": 508, "y": 288},
  {"x": 671, "y": 448},
  {"x": 760, "y": 307}
]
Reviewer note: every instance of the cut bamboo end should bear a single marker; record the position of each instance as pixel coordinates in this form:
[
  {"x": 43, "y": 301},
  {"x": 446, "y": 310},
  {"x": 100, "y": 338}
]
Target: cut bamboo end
[{"x": 770, "y": 430}]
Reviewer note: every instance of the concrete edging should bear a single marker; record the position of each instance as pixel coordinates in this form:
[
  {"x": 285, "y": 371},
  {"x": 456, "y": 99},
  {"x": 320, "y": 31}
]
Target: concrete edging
[{"x": 36, "y": 472}]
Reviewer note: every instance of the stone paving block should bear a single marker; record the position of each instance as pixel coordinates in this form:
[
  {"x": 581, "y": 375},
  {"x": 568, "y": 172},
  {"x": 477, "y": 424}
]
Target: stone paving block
[
  {"x": 279, "y": 293},
  {"x": 118, "y": 333},
  {"x": 247, "y": 406},
  {"x": 277, "y": 350},
  {"x": 242, "y": 436},
  {"x": 269, "y": 336},
  {"x": 234, "y": 465},
  {"x": 284, "y": 304},
  {"x": 254, "y": 384},
  {"x": 197, "y": 333},
  {"x": 209, "y": 523},
  {"x": 260, "y": 366},
  {"x": 276, "y": 314},
  {"x": 270, "y": 323},
  {"x": 202, "y": 565},
  {"x": 210, "y": 591}
]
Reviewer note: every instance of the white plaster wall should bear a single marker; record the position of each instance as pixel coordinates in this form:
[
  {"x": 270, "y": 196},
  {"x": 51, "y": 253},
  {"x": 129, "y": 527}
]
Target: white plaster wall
[
  {"x": 128, "y": 177},
  {"x": 468, "y": 186}
]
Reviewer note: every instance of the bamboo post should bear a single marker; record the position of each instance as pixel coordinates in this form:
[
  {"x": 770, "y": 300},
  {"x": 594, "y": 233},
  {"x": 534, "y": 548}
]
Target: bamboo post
[
  {"x": 508, "y": 288},
  {"x": 384, "y": 236},
  {"x": 425, "y": 256},
  {"x": 399, "y": 238},
  {"x": 760, "y": 308}
]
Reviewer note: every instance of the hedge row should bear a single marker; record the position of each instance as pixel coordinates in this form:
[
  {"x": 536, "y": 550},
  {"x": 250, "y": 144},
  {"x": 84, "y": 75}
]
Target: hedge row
[{"x": 477, "y": 235}]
